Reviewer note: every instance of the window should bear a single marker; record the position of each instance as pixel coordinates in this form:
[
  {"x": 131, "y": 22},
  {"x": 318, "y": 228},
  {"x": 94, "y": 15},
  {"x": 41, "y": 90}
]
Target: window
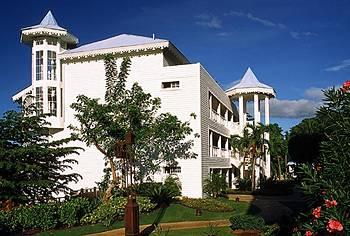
[
  {"x": 39, "y": 99},
  {"x": 52, "y": 100},
  {"x": 172, "y": 170},
  {"x": 172, "y": 84},
  {"x": 51, "y": 65},
  {"x": 39, "y": 65},
  {"x": 51, "y": 42},
  {"x": 39, "y": 42}
]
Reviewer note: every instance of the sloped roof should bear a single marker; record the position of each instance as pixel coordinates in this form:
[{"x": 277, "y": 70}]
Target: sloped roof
[
  {"x": 48, "y": 22},
  {"x": 122, "y": 40},
  {"x": 250, "y": 84}
]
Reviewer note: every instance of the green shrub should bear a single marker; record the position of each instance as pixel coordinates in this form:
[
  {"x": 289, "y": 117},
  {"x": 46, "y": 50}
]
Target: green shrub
[
  {"x": 41, "y": 216},
  {"x": 244, "y": 184},
  {"x": 247, "y": 222},
  {"x": 215, "y": 185},
  {"x": 208, "y": 204},
  {"x": 70, "y": 212},
  {"x": 173, "y": 183},
  {"x": 113, "y": 210},
  {"x": 143, "y": 188},
  {"x": 162, "y": 195}
]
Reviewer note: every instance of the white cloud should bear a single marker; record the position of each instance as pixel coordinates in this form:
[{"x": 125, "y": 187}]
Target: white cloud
[
  {"x": 299, "y": 108},
  {"x": 342, "y": 66},
  {"x": 269, "y": 23},
  {"x": 209, "y": 21},
  {"x": 314, "y": 94}
]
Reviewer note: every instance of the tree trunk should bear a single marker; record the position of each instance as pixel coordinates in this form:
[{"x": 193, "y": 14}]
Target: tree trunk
[
  {"x": 108, "y": 193},
  {"x": 253, "y": 173},
  {"x": 279, "y": 168}
]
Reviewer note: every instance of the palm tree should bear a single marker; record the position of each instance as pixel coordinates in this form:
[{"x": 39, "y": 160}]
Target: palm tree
[{"x": 251, "y": 144}]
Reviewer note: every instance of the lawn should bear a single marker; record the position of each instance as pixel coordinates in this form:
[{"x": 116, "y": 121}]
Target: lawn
[{"x": 175, "y": 213}]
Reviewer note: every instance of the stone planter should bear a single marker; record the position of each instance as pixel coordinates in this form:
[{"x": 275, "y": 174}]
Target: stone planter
[{"x": 241, "y": 232}]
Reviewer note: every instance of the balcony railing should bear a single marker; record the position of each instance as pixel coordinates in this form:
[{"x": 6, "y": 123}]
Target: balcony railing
[
  {"x": 215, "y": 151},
  {"x": 219, "y": 152}
]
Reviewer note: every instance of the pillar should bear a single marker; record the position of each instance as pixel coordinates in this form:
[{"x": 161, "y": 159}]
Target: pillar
[
  {"x": 256, "y": 109},
  {"x": 219, "y": 146},
  {"x": 267, "y": 110},
  {"x": 210, "y": 105},
  {"x": 241, "y": 113},
  {"x": 210, "y": 144}
]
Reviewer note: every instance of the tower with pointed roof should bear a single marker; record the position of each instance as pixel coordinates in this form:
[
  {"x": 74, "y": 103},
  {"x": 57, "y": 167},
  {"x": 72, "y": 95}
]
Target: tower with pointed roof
[
  {"x": 47, "y": 39},
  {"x": 249, "y": 88}
]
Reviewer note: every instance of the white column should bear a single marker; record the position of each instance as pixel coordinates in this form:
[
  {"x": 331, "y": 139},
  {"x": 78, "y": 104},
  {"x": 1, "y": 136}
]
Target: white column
[
  {"x": 210, "y": 144},
  {"x": 267, "y": 137},
  {"x": 241, "y": 113},
  {"x": 218, "y": 110},
  {"x": 210, "y": 105},
  {"x": 219, "y": 146},
  {"x": 267, "y": 110},
  {"x": 256, "y": 109},
  {"x": 226, "y": 147}
]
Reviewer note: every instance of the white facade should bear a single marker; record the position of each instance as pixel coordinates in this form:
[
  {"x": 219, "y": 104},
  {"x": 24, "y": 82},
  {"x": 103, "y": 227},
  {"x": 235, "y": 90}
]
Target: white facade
[{"x": 161, "y": 69}]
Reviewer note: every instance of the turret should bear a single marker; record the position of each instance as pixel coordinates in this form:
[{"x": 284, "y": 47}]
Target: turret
[
  {"x": 47, "y": 40},
  {"x": 251, "y": 89}
]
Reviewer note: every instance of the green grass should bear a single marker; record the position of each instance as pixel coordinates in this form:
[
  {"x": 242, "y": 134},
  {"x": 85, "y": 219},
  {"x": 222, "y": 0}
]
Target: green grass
[
  {"x": 221, "y": 231},
  {"x": 174, "y": 213}
]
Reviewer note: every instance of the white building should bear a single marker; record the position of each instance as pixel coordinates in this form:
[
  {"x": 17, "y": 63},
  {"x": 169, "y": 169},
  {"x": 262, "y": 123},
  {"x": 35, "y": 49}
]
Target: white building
[{"x": 61, "y": 71}]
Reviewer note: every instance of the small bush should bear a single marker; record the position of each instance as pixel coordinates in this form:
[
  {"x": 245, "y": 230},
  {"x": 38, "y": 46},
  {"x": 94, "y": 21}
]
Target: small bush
[
  {"x": 70, "y": 212},
  {"x": 173, "y": 183},
  {"x": 215, "y": 185},
  {"x": 244, "y": 184},
  {"x": 247, "y": 222},
  {"x": 143, "y": 188},
  {"x": 208, "y": 204},
  {"x": 41, "y": 216},
  {"x": 113, "y": 210}
]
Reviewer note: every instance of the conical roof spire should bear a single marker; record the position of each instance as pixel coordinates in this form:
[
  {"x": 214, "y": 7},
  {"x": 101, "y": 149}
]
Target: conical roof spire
[
  {"x": 250, "y": 84},
  {"x": 49, "y": 20}
]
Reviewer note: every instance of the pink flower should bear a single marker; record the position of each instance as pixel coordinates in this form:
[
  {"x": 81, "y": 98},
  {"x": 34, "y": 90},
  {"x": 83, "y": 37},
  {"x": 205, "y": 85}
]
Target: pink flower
[
  {"x": 334, "y": 226},
  {"x": 323, "y": 192},
  {"x": 329, "y": 203},
  {"x": 317, "y": 212},
  {"x": 308, "y": 233}
]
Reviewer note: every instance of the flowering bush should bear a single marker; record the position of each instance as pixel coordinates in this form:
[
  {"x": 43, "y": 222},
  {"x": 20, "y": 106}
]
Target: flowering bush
[{"x": 326, "y": 182}]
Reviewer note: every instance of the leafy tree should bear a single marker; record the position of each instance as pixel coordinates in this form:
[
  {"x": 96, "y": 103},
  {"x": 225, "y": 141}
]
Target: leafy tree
[
  {"x": 305, "y": 139},
  {"x": 159, "y": 138},
  {"x": 326, "y": 183},
  {"x": 278, "y": 151},
  {"x": 31, "y": 164},
  {"x": 252, "y": 144}
]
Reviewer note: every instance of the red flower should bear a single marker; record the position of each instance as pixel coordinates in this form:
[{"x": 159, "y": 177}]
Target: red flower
[
  {"x": 308, "y": 233},
  {"x": 334, "y": 226},
  {"x": 329, "y": 203},
  {"x": 317, "y": 212}
]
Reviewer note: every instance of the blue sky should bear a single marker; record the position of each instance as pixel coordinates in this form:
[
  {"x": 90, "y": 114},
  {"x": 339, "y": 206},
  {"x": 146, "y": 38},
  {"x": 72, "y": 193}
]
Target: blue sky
[{"x": 298, "y": 47}]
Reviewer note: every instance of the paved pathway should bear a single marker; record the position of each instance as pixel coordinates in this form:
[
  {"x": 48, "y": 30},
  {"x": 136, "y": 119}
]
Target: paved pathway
[{"x": 171, "y": 226}]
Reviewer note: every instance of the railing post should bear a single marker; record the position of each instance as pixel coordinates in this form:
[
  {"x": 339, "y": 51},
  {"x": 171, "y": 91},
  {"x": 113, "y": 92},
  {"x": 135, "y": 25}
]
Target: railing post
[{"x": 131, "y": 218}]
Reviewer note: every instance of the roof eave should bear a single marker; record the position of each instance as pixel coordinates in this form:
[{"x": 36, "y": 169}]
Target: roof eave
[
  {"x": 234, "y": 92},
  {"x": 116, "y": 50}
]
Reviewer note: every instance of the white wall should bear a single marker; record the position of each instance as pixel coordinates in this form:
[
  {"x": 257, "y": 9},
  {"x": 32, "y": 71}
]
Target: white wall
[{"x": 88, "y": 78}]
